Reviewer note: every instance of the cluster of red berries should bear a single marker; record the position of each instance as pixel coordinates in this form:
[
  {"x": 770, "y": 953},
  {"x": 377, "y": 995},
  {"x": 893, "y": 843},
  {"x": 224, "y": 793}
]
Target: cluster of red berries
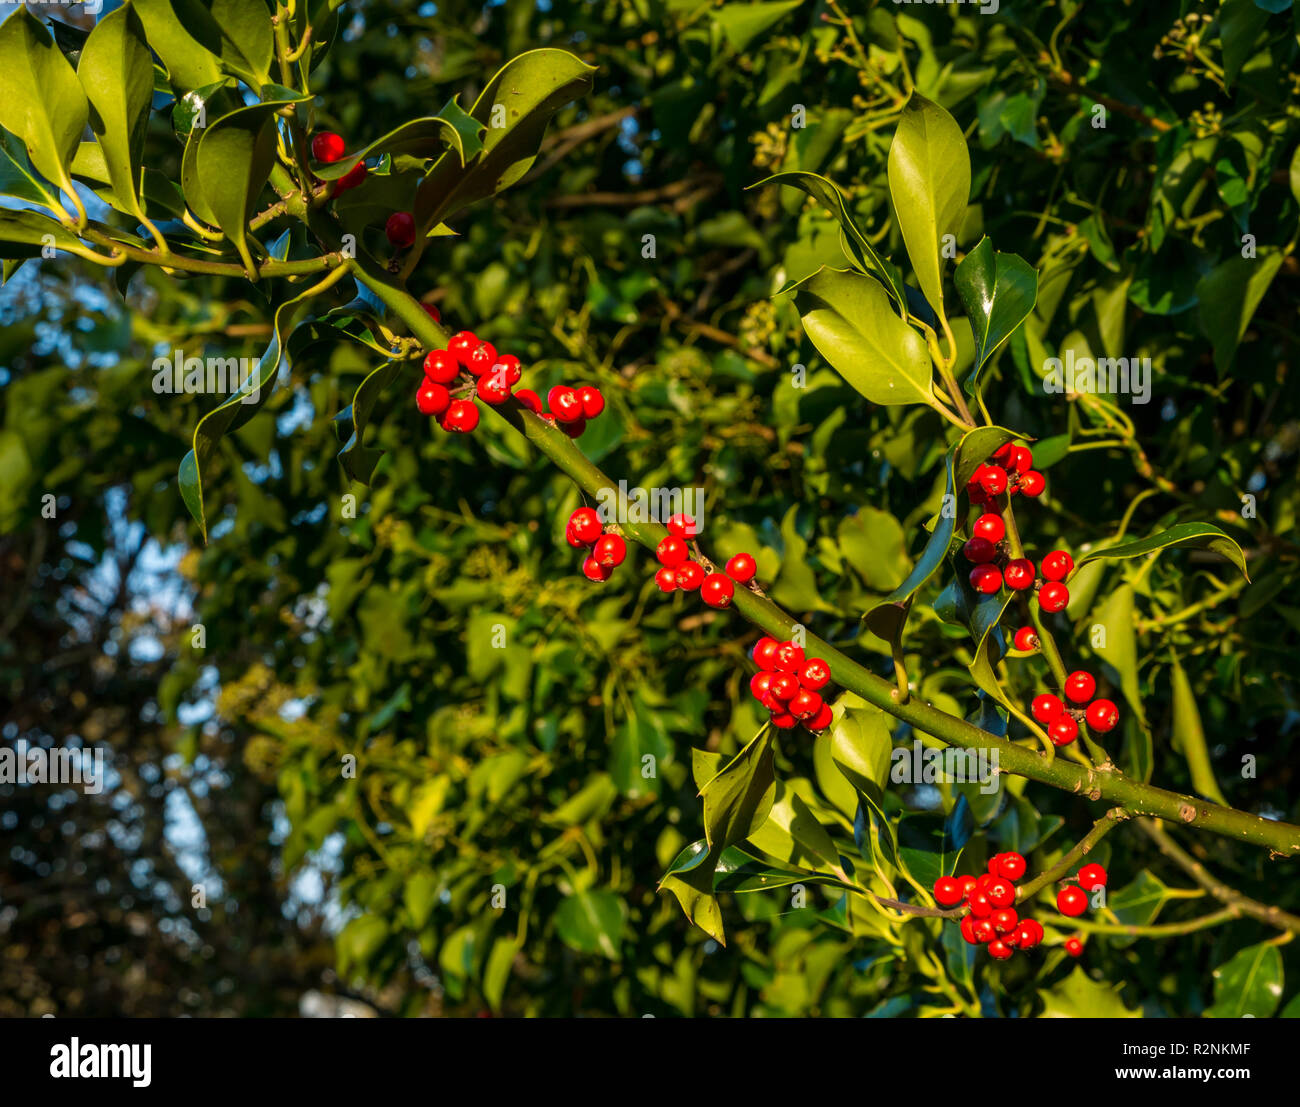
[
  {"x": 790, "y": 685},
  {"x": 678, "y": 572},
  {"x": 991, "y": 920},
  {"x": 607, "y": 551},
  {"x": 1010, "y": 470},
  {"x": 495, "y": 378},
  {"x": 1071, "y": 900},
  {"x": 1062, "y": 722},
  {"x": 327, "y": 147}
]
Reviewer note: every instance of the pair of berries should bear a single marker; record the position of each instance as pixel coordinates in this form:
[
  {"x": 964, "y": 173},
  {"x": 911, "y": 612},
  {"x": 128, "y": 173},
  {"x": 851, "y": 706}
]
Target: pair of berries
[
  {"x": 607, "y": 551},
  {"x": 991, "y": 920},
  {"x": 1010, "y": 470},
  {"x": 1072, "y": 900},
  {"x": 1062, "y": 723},
  {"x": 791, "y": 685},
  {"x": 679, "y": 572},
  {"x": 570, "y": 408},
  {"x": 327, "y": 148}
]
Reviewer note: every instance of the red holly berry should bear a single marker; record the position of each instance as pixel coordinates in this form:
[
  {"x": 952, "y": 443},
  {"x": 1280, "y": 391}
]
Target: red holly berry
[
  {"x": 400, "y": 229},
  {"x": 741, "y": 568},
  {"x": 1011, "y": 866},
  {"x": 564, "y": 403},
  {"x": 461, "y": 344},
  {"x": 593, "y": 403},
  {"x": 530, "y": 399},
  {"x": 1074, "y": 947},
  {"x": 610, "y": 550},
  {"x": 992, "y": 480},
  {"x": 328, "y": 147},
  {"x": 983, "y": 881},
  {"x": 1080, "y": 686},
  {"x": 760, "y": 684},
  {"x": 574, "y": 429},
  {"x": 571, "y": 537},
  {"x": 1071, "y": 901},
  {"x": 783, "y": 720},
  {"x": 979, "y": 551},
  {"x": 1102, "y": 716},
  {"x": 984, "y": 931},
  {"x": 683, "y": 526},
  {"x": 1063, "y": 731},
  {"x": 481, "y": 359},
  {"x": 805, "y": 704},
  {"x": 990, "y": 527},
  {"x": 666, "y": 580},
  {"x": 1019, "y": 574},
  {"x": 814, "y": 674},
  {"x": 432, "y": 398},
  {"x": 586, "y": 525},
  {"x": 765, "y": 648},
  {"x": 1001, "y": 892},
  {"x": 441, "y": 366},
  {"x": 594, "y": 570},
  {"x": 1053, "y": 597},
  {"x": 968, "y": 930},
  {"x": 351, "y": 178},
  {"x": 689, "y": 576},
  {"x": 789, "y": 657},
  {"x": 1022, "y": 459},
  {"x": 1028, "y": 934},
  {"x": 980, "y": 904},
  {"x": 1005, "y": 920},
  {"x": 1026, "y": 639},
  {"x": 968, "y": 885},
  {"x": 492, "y": 389},
  {"x": 671, "y": 552},
  {"x": 947, "y": 892},
  {"x": 1032, "y": 483},
  {"x": 509, "y": 368},
  {"x": 1057, "y": 565},
  {"x": 461, "y": 416},
  {"x": 822, "y": 719},
  {"x": 1002, "y": 455},
  {"x": 432, "y": 312},
  {"x": 717, "y": 590},
  {"x": 1046, "y": 707},
  {"x": 986, "y": 579},
  {"x": 999, "y": 950},
  {"x": 1092, "y": 876}
]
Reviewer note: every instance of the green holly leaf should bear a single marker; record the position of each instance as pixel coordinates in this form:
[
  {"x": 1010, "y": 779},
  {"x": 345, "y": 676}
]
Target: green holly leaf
[
  {"x": 1250, "y": 983},
  {"x": 1202, "y": 536},
  {"x": 184, "y": 35},
  {"x": 419, "y": 138},
  {"x": 998, "y": 292}
]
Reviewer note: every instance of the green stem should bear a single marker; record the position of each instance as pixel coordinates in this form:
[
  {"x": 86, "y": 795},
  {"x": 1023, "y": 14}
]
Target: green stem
[{"x": 1100, "y": 829}]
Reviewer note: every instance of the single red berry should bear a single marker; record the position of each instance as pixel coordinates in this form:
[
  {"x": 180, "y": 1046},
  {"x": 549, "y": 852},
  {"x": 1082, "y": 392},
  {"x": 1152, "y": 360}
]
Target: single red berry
[
  {"x": 671, "y": 552},
  {"x": 1057, "y": 565},
  {"x": 814, "y": 674},
  {"x": 999, "y": 950},
  {"x": 968, "y": 930},
  {"x": 400, "y": 229},
  {"x": 994, "y": 861},
  {"x": 977, "y": 495},
  {"x": 461, "y": 416},
  {"x": 1002, "y": 455},
  {"x": 492, "y": 389},
  {"x": 986, "y": 579},
  {"x": 1032, "y": 483},
  {"x": 689, "y": 576},
  {"x": 979, "y": 551},
  {"x": 1092, "y": 876},
  {"x": 1071, "y": 901},
  {"x": 610, "y": 550},
  {"x": 530, "y": 399},
  {"x": 765, "y": 648},
  {"x": 594, "y": 570},
  {"x": 461, "y": 344},
  {"x": 1022, "y": 459},
  {"x": 822, "y": 719},
  {"x": 571, "y": 537},
  {"x": 741, "y": 568},
  {"x": 717, "y": 590},
  {"x": 1005, "y": 920},
  {"x": 593, "y": 403},
  {"x": 947, "y": 892},
  {"x": 789, "y": 657},
  {"x": 1001, "y": 892},
  {"x": 1074, "y": 947},
  {"x": 574, "y": 429},
  {"x": 441, "y": 366},
  {"x": 351, "y": 178},
  {"x": 984, "y": 931},
  {"x": 783, "y": 720},
  {"x": 666, "y": 580},
  {"x": 1046, "y": 707},
  {"x": 993, "y": 481},
  {"x": 328, "y": 147},
  {"x": 1028, "y": 934},
  {"x": 432, "y": 312},
  {"x": 1019, "y": 574},
  {"x": 968, "y": 885},
  {"x": 1053, "y": 597},
  {"x": 564, "y": 402},
  {"x": 983, "y": 881},
  {"x": 1026, "y": 639},
  {"x": 481, "y": 359},
  {"x": 1063, "y": 731},
  {"x": 980, "y": 904},
  {"x": 1102, "y": 716},
  {"x": 432, "y": 398},
  {"x": 1080, "y": 686},
  {"x": 760, "y": 684},
  {"x": 990, "y": 527},
  {"x": 508, "y": 368},
  {"x": 805, "y": 704},
  {"x": 586, "y": 525},
  {"x": 1011, "y": 866},
  {"x": 683, "y": 526}
]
